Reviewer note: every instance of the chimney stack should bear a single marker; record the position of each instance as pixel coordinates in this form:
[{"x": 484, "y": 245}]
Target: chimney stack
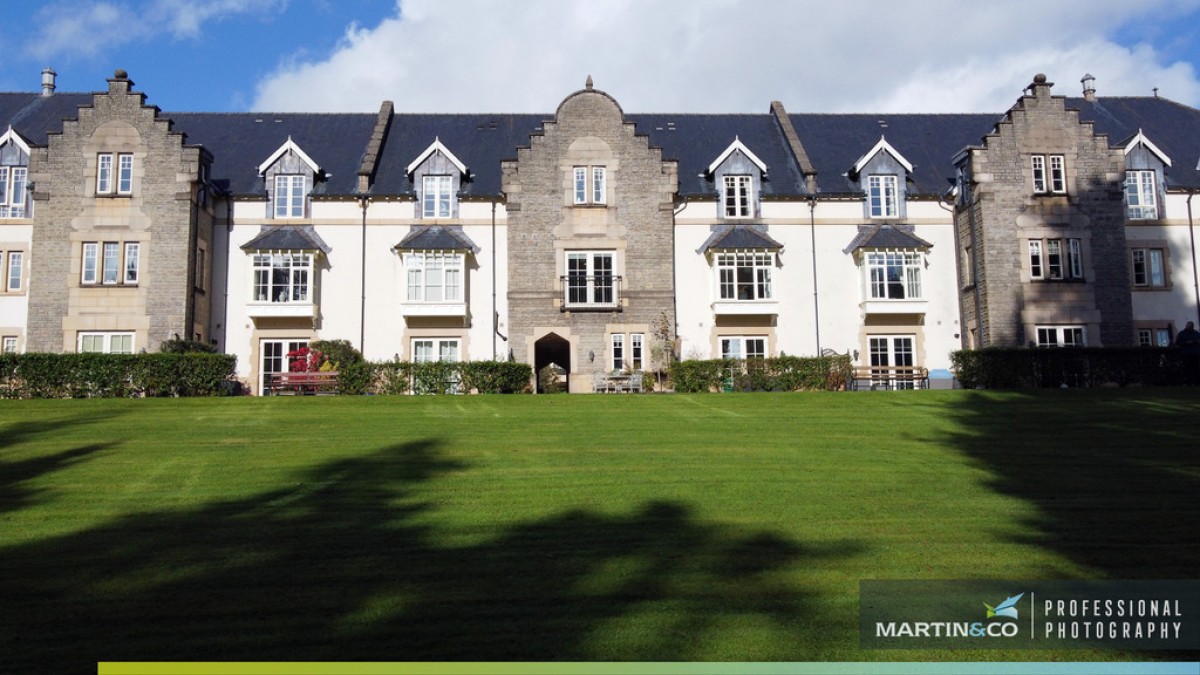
[
  {"x": 1089, "y": 87},
  {"x": 48, "y": 75}
]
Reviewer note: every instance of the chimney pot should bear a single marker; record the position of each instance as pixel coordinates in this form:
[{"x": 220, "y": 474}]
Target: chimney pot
[
  {"x": 1089, "y": 87},
  {"x": 48, "y": 76}
]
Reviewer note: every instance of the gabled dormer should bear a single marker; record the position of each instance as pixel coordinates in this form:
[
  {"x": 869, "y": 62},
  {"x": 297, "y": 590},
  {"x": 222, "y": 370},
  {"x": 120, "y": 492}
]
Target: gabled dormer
[
  {"x": 438, "y": 177},
  {"x": 14, "y": 176},
  {"x": 290, "y": 176},
  {"x": 738, "y": 175},
  {"x": 1145, "y": 167},
  {"x": 882, "y": 174}
]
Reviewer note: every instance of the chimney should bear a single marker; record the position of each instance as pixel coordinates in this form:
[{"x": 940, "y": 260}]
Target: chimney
[
  {"x": 48, "y": 75},
  {"x": 1089, "y": 87}
]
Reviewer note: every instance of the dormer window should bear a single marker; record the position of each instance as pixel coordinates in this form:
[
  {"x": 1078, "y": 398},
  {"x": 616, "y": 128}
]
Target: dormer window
[
  {"x": 289, "y": 196},
  {"x": 1144, "y": 178},
  {"x": 437, "y": 176},
  {"x": 591, "y": 185},
  {"x": 738, "y": 196},
  {"x": 436, "y": 194},
  {"x": 290, "y": 175},
  {"x": 884, "y": 196},
  {"x": 738, "y": 175},
  {"x": 882, "y": 174},
  {"x": 14, "y": 176}
]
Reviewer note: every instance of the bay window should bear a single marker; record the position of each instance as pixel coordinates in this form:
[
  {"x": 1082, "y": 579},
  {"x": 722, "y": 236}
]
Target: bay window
[
  {"x": 434, "y": 276},
  {"x": 894, "y": 275},
  {"x": 744, "y": 275},
  {"x": 283, "y": 277}
]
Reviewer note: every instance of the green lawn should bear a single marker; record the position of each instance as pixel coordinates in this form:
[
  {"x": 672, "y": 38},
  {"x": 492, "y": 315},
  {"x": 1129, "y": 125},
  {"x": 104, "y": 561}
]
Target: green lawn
[{"x": 670, "y": 527}]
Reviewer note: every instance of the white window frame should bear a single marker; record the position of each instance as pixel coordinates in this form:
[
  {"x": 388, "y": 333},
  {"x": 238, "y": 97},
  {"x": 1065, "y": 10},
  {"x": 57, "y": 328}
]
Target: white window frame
[
  {"x": 590, "y": 185},
  {"x": 742, "y": 347},
  {"x": 437, "y": 196},
  {"x": 124, "y": 173},
  {"x": 617, "y": 352},
  {"x": 290, "y": 199},
  {"x": 110, "y": 263},
  {"x": 1049, "y": 174},
  {"x": 1149, "y": 267},
  {"x": 131, "y": 263},
  {"x": 89, "y": 268},
  {"x": 1061, "y": 336},
  {"x": 114, "y": 173},
  {"x": 1154, "y": 337},
  {"x": 1055, "y": 259},
  {"x": 1141, "y": 194},
  {"x": 272, "y": 353},
  {"x": 437, "y": 349},
  {"x": 737, "y": 196},
  {"x": 435, "y": 276},
  {"x": 115, "y": 342},
  {"x": 104, "y": 173},
  {"x": 9, "y": 345},
  {"x": 627, "y": 352},
  {"x": 744, "y": 275},
  {"x": 14, "y": 271},
  {"x": 893, "y": 275},
  {"x": 1075, "y": 258},
  {"x": 591, "y": 280},
  {"x": 14, "y": 182},
  {"x": 892, "y": 351},
  {"x": 883, "y": 195},
  {"x": 282, "y": 277}
]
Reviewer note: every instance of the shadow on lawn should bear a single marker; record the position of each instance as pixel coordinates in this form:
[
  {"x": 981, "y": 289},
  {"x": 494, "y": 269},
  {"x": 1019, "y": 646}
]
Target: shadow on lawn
[
  {"x": 1114, "y": 474},
  {"x": 339, "y": 567},
  {"x": 16, "y": 476}
]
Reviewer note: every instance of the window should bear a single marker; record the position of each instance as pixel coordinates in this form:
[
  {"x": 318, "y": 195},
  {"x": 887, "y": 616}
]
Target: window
[
  {"x": 1061, "y": 336},
  {"x": 273, "y": 358},
  {"x": 14, "y": 277},
  {"x": 627, "y": 351},
  {"x": 595, "y": 191},
  {"x": 289, "y": 196},
  {"x": 889, "y": 353},
  {"x": 1141, "y": 195},
  {"x": 122, "y": 183},
  {"x": 9, "y": 345},
  {"x": 132, "y": 250},
  {"x": 103, "y": 263},
  {"x": 883, "y": 196},
  {"x": 1154, "y": 337},
  {"x": 430, "y": 350},
  {"x": 742, "y": 347},
  {"x": 282, "y": 277},
  {"x": 1055, "y": 259},
  {"x": 738, "y": 196},
  {"x": 894, "y": 275},
  {"x": 14, "y": 181},
  {"x": 1049, "y": 176},
  {"x": 1148, "y": 268},
  {"x": 436, "y": 196},
  {"x": 434, "y": 276},
  {"x": 745, "y": 275},
  {"x": 106, "y": 343},
  {"x": 590, "y": 282}
]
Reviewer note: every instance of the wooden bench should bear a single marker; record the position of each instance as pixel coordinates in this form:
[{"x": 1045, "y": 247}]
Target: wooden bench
[
  {"x": 890, "y": 377},
  {"x": 300, "y": 384}
]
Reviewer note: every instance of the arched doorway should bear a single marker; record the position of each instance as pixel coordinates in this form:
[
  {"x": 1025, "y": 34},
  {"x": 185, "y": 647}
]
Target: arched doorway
[{"x": 551, "y": 348}]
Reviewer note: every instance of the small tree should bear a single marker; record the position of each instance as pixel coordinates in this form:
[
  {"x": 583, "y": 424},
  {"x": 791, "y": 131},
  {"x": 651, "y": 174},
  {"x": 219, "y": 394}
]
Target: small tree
[{"x": 662, "y": 347}]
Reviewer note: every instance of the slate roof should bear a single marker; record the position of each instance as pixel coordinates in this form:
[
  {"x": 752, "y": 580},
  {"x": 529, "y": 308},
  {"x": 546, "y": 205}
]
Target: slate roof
[
  {"x": 239, "y": 142},
  {"x": 287, "y": 238},
  {"x": 739, "y": 236},
  {"x": 436, "y": 238},
  {"x": 886, "y": 235}
]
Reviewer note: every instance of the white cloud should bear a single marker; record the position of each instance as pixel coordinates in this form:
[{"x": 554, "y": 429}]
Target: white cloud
[
  {"x": 729, "y": 56},
  {"x": 75, "y": 28}
]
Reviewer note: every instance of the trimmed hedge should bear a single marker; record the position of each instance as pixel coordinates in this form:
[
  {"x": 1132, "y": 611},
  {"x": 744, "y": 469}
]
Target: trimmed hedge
[
  {"x": 404, "y": 377},
  {"x": 1025, "y": 368},
  {"x": 783, "y": 373},
  {"x": 39, "y": 375}
]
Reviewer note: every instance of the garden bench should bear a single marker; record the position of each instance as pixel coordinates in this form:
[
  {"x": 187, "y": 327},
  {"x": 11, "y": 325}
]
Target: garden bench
[
  {"x": 301, "y": 384},
  {"x": 890, "y": 377}
]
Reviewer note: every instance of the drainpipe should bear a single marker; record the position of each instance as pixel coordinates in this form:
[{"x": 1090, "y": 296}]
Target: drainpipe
[
  {"x": 812, "y": 231},
  {"x": 1192, "y": 237},
  {"x": 495, "y": 314},
  {"x": 363, "y": 199}
]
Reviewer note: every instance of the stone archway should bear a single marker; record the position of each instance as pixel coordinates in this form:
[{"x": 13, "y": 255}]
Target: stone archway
[{"x": 551, "y": 348}]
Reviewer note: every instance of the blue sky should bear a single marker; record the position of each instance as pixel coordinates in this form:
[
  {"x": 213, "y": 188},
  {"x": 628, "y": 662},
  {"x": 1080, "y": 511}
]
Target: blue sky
[{"x": 653, "y": 56}]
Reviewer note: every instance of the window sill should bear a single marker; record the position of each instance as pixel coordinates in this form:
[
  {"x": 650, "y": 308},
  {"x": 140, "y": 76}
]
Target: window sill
[
  {"x": 281, "y": 310},
  {"x": 113, "y": 195},
  {"x": 745, "y": 307},
  {"x": 433, "y": 308},
  {"x": 894, "y": 306},
  {"x": 83, "y": 285},
  {"x": 590, "y": 206},
  {"x": 1153, "y": 289}
]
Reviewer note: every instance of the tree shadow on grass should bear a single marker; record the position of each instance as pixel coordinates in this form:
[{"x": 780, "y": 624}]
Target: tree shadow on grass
[
  {"x": 340, "y": 567},
  {"x": 16, "y": 476},
  {"x": 1114, "y": 475}
]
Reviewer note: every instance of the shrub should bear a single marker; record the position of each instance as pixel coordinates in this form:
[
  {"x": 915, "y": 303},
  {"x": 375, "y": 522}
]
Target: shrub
[
  {"x": 339, "y": 353},
  {"x": 181, "y": 346},
  {"x": 1021, "y": 367},
  {"x": 495, "y": 377},
  {"x": 783, "y": 373},
  {"x": 39, "y": 375}
]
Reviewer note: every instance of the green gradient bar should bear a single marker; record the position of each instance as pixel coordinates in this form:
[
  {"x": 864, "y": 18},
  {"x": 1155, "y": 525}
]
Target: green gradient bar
[{"x": 636, "y": 668}]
